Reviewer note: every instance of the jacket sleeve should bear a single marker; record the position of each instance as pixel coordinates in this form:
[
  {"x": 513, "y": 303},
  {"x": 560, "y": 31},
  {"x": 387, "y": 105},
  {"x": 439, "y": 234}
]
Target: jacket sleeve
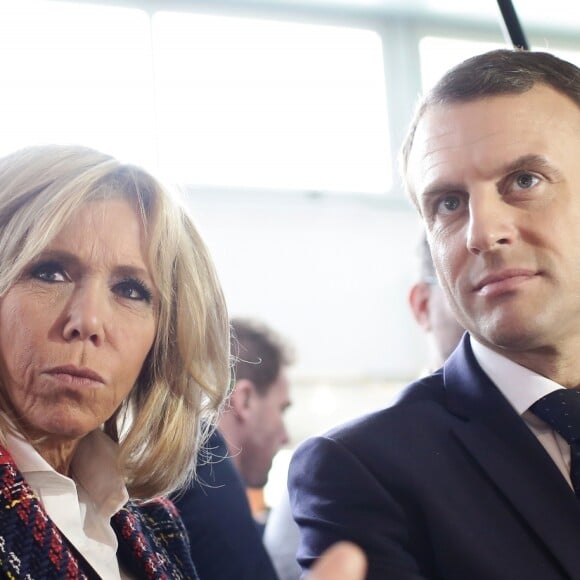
[{"x": 334, "y": 497}]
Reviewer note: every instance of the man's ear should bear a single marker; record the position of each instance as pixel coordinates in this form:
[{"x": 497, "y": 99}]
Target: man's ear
[
  {"x": 419, "y": 297},
  {"x": 241, "y": 398}
]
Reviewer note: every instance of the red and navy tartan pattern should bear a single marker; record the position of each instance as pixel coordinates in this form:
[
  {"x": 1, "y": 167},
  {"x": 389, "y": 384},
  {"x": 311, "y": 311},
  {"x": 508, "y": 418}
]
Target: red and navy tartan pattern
[{"x": 152, "y": 540}]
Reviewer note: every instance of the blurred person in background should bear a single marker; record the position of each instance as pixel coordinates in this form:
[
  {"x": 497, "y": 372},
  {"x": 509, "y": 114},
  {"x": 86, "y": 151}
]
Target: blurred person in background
[
  {"x": 226, "y": 542},
  {"x": 432, "y": 311},
  {"x": 252, "y": 424}
]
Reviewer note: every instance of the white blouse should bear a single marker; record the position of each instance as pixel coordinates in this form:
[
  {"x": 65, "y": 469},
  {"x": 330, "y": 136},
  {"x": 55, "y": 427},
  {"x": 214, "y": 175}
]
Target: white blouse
[{"x": 80, "y": 507}]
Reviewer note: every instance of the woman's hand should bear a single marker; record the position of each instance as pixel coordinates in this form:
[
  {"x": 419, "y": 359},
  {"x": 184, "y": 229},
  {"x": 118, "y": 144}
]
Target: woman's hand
[{"x": 343, "y": 561}]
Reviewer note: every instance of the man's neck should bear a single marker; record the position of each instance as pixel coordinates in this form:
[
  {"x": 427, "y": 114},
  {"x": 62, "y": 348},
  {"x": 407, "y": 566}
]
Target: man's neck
[{"x": 559, "y": 365}]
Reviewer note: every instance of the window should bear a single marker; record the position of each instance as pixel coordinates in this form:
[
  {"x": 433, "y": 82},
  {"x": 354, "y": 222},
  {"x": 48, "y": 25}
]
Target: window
[
  {"x": 439, "y": 54},
  {"x": 76, "y": 73},
  {"x": 269, "y": 104}
]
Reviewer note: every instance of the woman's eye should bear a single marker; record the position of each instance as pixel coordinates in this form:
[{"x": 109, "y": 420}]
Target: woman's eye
[
  {"x": 526, "y": 180},
  {"x": 133, "y": 289},
  {"x": 49, "y": 272}
]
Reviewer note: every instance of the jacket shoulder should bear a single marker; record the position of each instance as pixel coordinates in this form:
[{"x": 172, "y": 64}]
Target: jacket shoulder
[
  {"x": 420, "y": 400},
  {"x": 152, "y": 535}
]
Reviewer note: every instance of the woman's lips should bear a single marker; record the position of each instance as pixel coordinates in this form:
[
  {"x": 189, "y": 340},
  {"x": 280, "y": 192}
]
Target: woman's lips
[{"x": 73, "y": 375}]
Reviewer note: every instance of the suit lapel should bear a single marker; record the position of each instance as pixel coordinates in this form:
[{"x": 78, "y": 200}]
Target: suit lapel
[{"x": 512, "y": 457}]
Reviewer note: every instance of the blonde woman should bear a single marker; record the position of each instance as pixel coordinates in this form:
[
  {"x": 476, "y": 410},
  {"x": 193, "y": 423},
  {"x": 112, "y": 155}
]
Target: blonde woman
[{"x": 114, "y": 347}]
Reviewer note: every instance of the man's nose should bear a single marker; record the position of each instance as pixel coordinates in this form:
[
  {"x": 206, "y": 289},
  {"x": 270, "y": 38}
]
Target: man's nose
[
  {"x": 85, "y": 314},
  {"x": 491, "y": 222}
]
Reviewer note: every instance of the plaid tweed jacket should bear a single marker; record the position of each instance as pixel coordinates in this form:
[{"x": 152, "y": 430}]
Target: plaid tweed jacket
[{"x": 153, "y": 543}]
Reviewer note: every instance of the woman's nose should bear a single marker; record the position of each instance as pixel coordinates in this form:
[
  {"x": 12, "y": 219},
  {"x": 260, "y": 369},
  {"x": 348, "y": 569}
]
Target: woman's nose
[{"x": 85, "y": 315}]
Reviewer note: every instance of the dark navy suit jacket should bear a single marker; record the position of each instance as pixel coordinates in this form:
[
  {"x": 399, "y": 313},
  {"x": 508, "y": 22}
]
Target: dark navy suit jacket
[
  {"x": 225, "y": 540},
  {"x": 449, "y": 484}
]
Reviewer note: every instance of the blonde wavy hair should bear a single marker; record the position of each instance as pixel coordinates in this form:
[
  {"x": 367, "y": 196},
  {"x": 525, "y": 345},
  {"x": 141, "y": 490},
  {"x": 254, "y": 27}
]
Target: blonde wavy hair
[{"x": 184, "y": 380}]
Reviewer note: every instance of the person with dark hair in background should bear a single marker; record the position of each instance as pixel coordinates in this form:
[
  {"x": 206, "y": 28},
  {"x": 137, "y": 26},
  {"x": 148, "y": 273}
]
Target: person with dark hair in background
[
  {"x": 432, "y": 311},
  {"x": 226, "y": 542},
  {"x": 475, "y": 471},
  {"x": 253, "y": 421}
]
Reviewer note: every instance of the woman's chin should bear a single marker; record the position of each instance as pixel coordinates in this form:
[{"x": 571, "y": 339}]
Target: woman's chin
[{"x": 62, "y": 427}]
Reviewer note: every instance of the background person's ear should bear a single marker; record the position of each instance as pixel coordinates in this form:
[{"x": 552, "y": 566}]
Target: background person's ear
[
  {"x": 241, "y": 398},
  {"x": 419, "y": 296}
]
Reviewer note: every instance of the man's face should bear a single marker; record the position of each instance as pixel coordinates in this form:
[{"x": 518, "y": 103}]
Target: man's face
[
  {"x": 265, "y": 431},
  {"x": 497, "y": 181}
]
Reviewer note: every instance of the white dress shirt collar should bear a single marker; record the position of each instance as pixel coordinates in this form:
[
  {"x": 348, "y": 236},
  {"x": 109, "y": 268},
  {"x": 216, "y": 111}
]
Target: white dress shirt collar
[
  {"x": 94, "y": 466},
  {"x": 519, "y": 385},
  {"x": 81, "y": 506},
  {"x": 522, "y": 388}
]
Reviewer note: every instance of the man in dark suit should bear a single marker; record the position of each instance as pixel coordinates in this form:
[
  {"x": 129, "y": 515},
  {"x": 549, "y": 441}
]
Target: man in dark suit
[
  {"x": 226, "y": 541},
  {"x": 469, "y": 475},
  {"x": 223, "y": 536}
]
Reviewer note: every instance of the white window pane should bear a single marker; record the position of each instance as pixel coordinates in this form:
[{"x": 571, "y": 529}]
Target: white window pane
[
  {"x": 438, "y": 55},
  {"x": 76, "y": 74},
  {"x": 572, "y": 56},
  {"x": 269, "y": 104}
]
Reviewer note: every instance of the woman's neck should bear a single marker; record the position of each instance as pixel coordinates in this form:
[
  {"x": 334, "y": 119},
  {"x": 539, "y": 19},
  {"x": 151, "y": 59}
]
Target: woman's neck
[{"x": 58, "y": 454}]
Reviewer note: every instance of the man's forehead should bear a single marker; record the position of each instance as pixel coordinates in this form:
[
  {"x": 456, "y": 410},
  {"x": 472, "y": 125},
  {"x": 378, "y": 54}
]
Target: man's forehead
[
  {"x": 494, "y": 130},
  {"x": 435, "y": 135},
  {"x": 440, "y": 126},
  {"x": 441, "y": 120}
]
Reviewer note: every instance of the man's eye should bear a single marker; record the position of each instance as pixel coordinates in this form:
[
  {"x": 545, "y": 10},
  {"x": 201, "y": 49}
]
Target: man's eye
[
  {"x": 49, "y": 272},
  {"x": 448, "y": 204},
  {"x": 526, "y": 180}
]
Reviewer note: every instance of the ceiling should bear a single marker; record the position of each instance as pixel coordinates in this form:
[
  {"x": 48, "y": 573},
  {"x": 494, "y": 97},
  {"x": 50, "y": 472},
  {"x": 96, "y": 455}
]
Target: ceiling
[
  {"x": 540, "y": 15},
  {"x": 555, "y": 13}
]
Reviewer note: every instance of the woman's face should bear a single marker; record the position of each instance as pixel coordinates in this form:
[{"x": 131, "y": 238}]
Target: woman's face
[{"x": 76, "y": 327}]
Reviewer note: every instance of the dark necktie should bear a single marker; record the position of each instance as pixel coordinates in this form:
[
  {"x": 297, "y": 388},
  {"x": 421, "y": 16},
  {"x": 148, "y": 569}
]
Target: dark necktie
[{"x": 561, "y": 410}]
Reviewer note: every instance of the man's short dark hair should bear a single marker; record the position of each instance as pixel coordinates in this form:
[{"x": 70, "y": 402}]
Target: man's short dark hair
[
  {"x": 259, "y": 353},
  {"x": 499, "y": 72}
]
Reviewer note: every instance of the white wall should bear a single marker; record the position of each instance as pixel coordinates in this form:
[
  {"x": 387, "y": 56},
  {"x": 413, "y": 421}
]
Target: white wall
[{"x": 330, "y": 273}]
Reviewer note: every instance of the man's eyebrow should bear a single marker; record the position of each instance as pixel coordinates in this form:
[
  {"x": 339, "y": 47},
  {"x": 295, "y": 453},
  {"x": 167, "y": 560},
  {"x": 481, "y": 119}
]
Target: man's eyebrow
[
  {"x": 529, "y": 161},
  {"x": 437, "y": 189}
]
